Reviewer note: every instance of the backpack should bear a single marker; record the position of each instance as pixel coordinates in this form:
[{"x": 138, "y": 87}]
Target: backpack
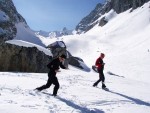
[{"x": 57, "y": 49}]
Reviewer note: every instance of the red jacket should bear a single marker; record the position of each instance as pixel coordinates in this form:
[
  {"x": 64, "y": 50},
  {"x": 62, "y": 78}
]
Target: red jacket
[{"x": 99, "y": 63}]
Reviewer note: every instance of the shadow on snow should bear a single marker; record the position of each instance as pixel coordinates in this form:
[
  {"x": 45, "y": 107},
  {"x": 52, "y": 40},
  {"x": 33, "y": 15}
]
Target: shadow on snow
[
  {"x": 82, "y": 109},
  {"x": 75, "y": 106},
  {"x": 137, "y": 101}
]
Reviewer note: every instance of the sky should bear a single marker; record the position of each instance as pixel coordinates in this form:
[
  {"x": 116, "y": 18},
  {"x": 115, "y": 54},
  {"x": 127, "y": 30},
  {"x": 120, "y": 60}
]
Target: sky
[
  {"x": 51, "y": 15},
  {"x": 126, "y": 56}
]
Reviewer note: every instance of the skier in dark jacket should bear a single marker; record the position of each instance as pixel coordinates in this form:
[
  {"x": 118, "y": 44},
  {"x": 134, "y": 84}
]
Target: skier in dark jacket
[
  {"x": 52, "y": 79},
  {"x": 100, "y": 67}
]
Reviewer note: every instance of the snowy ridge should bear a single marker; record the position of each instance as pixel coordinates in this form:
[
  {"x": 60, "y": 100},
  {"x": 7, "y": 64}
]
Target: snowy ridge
[
  {"x": 28, "y": 44},
  {"x": 126, "y": 43},
  {"x": 54, "y": 34},
  {"x": 26, "y": 34}
]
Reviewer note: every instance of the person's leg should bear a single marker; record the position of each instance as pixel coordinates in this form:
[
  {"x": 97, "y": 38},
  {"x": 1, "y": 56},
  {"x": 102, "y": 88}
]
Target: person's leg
[
  {"x": 103, "y": 79},
  {"x": 56, "y": 87},
  {"x": 47, "y": 85},
  {"x": 96, "y": 83}
]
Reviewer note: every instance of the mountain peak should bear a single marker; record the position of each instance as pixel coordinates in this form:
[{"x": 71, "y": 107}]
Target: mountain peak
[{"x": 118, "y": 6}]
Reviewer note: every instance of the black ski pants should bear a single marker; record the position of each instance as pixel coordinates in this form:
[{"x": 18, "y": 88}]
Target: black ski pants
[
  {"x": 52, "y": 79},
  {"x": 101, "y": 77}
]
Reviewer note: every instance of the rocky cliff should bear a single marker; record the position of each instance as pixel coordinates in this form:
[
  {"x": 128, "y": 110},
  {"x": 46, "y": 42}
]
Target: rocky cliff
[
  {"x": 9, "y": 16},
  {"x": 22, "y": 59},
  {"x": 119, "y": 6},
  {"x": 13, "y": 57}
]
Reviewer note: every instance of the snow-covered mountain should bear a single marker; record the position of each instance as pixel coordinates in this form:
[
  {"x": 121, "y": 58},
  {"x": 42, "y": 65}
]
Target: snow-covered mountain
[
  {"x": 14, "y": 26},
  {"x": 54, "y": 34},
  {"x": 14, "y": 57},
  {"x": 26, "y": 34},
  {"x": 8, "y": 17},
  {"x": 118, "y": 6},
  {"x": 125, "y": 40}
]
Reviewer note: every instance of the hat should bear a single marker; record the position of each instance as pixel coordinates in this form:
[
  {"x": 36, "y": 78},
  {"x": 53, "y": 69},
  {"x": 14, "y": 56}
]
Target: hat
[
  {"x": 63, "y": 56},
  {"x": 102, "y": 54}
]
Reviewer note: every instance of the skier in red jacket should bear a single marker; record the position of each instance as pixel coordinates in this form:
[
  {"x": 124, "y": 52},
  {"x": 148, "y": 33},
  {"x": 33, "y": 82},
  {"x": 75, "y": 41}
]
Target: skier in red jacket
[{"x": 100, "y": 67}]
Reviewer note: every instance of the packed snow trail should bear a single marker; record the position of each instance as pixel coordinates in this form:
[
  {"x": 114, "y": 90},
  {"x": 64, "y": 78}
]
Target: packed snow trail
[{"x": 76, "y": 94}]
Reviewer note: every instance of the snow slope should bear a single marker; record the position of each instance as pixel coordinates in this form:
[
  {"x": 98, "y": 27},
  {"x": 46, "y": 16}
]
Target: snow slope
[
  {"x": 76, "y": 94},
  {"x": 28, "y": 44},
  {"x": 26, "y": 34},
  {"x": 126, "y": 42}
]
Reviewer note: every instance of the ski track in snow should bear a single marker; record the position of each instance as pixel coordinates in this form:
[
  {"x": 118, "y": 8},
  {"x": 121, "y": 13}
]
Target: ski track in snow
[{"x": 76, "y": 94}]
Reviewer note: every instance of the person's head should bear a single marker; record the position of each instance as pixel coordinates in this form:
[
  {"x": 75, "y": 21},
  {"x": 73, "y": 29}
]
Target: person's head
[
  {"x": 102, "y": 55},
  {"x": 62, "y": 57}
]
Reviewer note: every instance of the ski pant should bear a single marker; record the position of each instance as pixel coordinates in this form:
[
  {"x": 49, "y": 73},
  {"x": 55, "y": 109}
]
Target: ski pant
[
  {"x": 52, "y": 79},
  {"x": 101, "y": 78}
]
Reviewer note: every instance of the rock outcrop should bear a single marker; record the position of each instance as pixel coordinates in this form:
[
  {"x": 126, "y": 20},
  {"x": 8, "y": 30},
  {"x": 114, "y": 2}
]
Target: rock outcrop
[
  {"x": 22, "y": 59},
  {"x": 118, "y": 6},
  {"x": 10, "y": 16},
  {"x": 13, "y": 57}
]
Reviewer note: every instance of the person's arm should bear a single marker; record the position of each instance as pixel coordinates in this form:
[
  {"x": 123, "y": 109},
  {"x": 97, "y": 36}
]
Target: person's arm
[
  {"x": 49, "y": 65},
  {"x": 62, "y": 66}
]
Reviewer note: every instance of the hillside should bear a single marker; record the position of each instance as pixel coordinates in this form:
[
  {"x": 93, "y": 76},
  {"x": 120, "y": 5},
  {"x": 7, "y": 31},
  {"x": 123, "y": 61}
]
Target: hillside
[{"x": 125, "y": 41}]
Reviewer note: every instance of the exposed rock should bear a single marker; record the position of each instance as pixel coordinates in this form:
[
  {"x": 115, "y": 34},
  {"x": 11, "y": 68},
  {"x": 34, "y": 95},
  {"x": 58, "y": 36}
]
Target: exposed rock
[
  {"x": 90, "y": 20},
  {"x": 123, "y": 5},
  {"x": 13, "y": 57},
  {"x": 22, "y": 59},
  {"x": 9, "y": 11},
  {"x": 138, "y": 3},
  {"x": 59, "y": 47},
  {"x": 102, "y": 22},
  {"x": 119, "y": 6}
]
